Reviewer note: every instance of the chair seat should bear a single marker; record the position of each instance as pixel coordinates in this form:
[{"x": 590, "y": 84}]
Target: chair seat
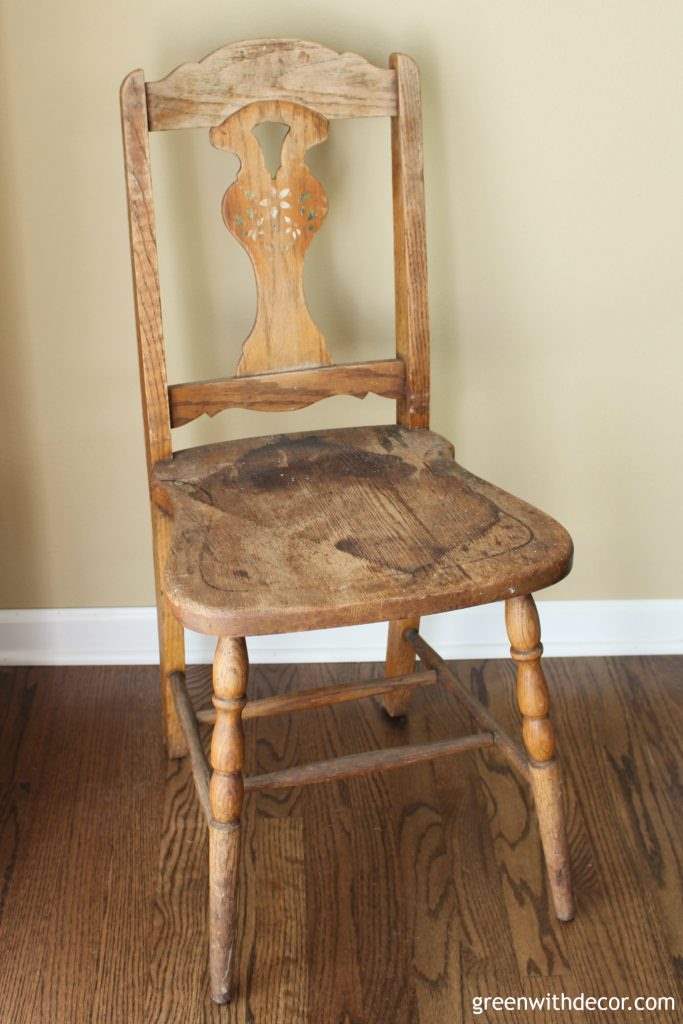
[{"x": 310, "y": 530}]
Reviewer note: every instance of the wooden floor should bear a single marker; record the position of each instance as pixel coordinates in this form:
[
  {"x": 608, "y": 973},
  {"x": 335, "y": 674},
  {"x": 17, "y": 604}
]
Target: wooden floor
[{"x": 387, "y": 900}]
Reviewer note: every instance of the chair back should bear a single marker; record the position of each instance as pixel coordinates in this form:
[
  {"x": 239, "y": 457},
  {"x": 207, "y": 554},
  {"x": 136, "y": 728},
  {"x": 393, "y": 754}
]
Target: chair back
[{"x": 285, "y": 363}]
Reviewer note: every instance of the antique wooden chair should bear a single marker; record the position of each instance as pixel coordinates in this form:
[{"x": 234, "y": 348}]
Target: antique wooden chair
[{"x": 329, "y": 528}]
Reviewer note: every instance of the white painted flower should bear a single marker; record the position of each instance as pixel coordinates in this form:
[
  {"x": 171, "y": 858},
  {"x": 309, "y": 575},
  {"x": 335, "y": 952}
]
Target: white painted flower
[
  {"x": 274, "y": 207},
  {"x": 276, "y": 201},
  {"x": 256, "y": 230}
]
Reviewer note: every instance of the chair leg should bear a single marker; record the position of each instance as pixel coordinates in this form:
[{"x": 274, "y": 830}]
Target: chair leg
[
  {"x": 226, "y": 791},
  {"x": 171, "y": 640},
  {"x": 400, "y": 661},
  {"x": 171, "y": 659},
  {"x": 533, "y": 700}
]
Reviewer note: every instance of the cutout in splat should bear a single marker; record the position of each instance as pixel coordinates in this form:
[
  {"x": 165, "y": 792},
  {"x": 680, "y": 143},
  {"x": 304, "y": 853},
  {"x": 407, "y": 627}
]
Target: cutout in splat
[
  {"x": 275, "y": 218},
  {"x": 271, "y": 136}
]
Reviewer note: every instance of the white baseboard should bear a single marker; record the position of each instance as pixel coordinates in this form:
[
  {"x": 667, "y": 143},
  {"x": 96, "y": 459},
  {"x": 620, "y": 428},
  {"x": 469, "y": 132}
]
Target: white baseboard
[{"x": 127, "y": 636}]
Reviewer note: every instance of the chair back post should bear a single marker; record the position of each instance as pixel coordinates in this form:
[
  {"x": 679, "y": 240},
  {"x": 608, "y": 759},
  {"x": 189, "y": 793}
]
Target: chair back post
[
  {"x": 145, "y": 267},
  {"x": 410, "y": 245},
  {"x": 152, "y": 365}
]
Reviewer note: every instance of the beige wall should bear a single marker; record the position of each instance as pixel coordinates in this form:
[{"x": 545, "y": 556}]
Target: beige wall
[{"x": 554, "y": 166}]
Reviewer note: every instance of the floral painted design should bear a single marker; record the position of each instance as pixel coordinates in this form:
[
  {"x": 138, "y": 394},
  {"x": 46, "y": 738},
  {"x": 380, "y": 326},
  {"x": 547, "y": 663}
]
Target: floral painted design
[{"x": 276, "y": 212}]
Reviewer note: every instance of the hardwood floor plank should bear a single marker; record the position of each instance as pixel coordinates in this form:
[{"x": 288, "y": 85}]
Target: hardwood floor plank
[
  {"x": 17, "y": 693},
  {"x": 279, "y": 993},
  {"x": 334, "y": 993},
  {"x": 334, "y": 978},
  {"x": 538, "y": 938},
  {"x": 80, "y": 824},
  {"x": 178, "y": 937},
  {"x": 424, "y": 818},
  {"x": 136, "y": 796},
  {"x": 382, "y": 920},
  {"x": 645, "y": 754},
  {"x": 399, "y": 897},
  {"x": 634, "y": 943},
  {"x": 485, "y": 929}
]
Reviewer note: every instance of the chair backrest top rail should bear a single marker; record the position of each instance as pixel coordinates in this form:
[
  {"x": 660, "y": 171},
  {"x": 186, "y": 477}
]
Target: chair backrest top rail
[{"x": 201, "y": 94}]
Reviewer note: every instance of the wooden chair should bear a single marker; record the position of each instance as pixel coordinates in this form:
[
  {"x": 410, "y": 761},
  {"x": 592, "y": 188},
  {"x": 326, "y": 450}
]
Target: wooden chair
[{"x": 329, "y": 528}]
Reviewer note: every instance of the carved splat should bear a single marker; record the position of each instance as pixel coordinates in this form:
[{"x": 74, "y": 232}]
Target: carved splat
[{"x": 275, "y": 219}]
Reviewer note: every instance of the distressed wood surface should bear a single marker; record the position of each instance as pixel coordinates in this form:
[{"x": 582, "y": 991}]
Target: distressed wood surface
[
  {"x": 306, "y": 700},
  {"x": 275, "y": 219},
  {"x": 538, "y": 734},
  {"x": 365, "y": 763},
  {"x": 152, "y": 367},
  {"x": 398, "y": 897},
  {"x": 145, "y": 266},
  {"x": 410, "y": 244},
  {"x": 226, "y": 795},
  {"x": 400, "y": 660},
  {"x": 301, "y": 531},
  {"x": 507, "y": 747},
  {"x": 201, "y": 94},
  {"x": 198, "y": 759},
  {"x": 321, "y": 529},
  {"x": 287, "y": 390}
]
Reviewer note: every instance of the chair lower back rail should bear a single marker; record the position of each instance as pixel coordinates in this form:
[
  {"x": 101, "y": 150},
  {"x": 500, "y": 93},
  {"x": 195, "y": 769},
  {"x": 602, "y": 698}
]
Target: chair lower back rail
[
  {"x": 282, "y": 390},
  {"x": 435, "y": 670}
]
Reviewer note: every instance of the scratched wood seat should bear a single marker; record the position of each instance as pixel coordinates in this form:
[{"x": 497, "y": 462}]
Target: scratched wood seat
[
  {"x": 328, "y": 528},
  {"x": 342, "y": 526}
]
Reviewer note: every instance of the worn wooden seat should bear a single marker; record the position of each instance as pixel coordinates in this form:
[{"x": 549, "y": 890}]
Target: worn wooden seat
[
  {"x": 276, "y": 534},
  {"x": 300, "y": 531}
]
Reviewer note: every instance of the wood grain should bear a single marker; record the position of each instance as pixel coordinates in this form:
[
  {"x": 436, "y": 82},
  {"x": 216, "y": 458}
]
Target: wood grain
[
  {"x": 321, "y": 529},
  {"x": 171, "y": 633},
  {"x": 324, "y": 696},
  {"x": 538, "y": 733},
  {"x": 303, "y": 531},
  {"x": 599, "y": 949},
  {"x": 400, "y": 660},
  {"x": 190, "y": 726},
  {"x": 355, "y": 765},
  {"x": 226, "y": 794},
  {"x": 643, "y": 754},
  {"x": 508, "y": 748},
  {"x": 286, "y": 390},
  {"x": 397, "y": 897},
  {"x": 145, "y": 264},
  {"x": 152, "y": 367},
  {"x": 76, "y": 777},
  {"x": 281, "y": 994},
  {"x": 410, "y": 244},
  {"x": 202, "y": 94}
]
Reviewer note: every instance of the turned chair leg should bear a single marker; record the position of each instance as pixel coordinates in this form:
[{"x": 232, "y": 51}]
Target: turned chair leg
[
  {"x": 400, "y": 661},
  {"x": 226, "y": 792},
  {"x": 533, "y": 700}
]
